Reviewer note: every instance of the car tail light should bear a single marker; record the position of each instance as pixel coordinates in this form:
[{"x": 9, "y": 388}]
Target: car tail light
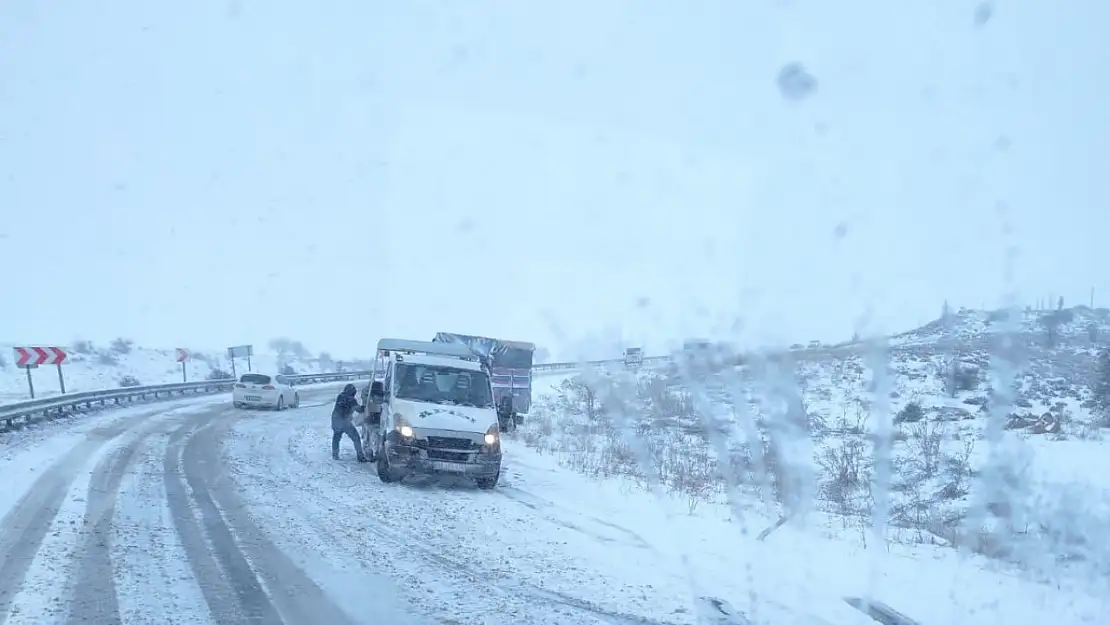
[
  {"x": 268, "y": 388},
  {"x": 240, "y": 386}
]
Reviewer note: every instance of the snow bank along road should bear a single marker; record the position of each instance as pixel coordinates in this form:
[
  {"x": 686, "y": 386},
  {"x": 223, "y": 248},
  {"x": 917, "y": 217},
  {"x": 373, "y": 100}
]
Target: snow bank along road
[{"x": 193, "y": 512}]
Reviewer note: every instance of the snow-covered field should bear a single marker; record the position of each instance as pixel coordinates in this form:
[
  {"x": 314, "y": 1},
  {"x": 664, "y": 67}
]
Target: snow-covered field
[
  {"x": 799, "y": 437},
  {"x": 92, "y": 367}
]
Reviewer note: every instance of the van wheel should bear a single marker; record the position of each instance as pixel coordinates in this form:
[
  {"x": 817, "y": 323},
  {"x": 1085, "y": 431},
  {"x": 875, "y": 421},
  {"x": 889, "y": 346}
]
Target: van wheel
[
  {"x": 487, "y": 483},
  {"x": 385, "y": 474}
]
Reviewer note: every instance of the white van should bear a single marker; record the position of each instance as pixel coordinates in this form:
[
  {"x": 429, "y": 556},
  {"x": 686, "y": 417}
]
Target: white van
[{"x": 432, "y": 411}]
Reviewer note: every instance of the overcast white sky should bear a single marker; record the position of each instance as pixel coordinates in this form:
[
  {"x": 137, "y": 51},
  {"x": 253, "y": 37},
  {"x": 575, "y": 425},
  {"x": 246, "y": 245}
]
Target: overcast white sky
[{"x": 566, "y": 172}]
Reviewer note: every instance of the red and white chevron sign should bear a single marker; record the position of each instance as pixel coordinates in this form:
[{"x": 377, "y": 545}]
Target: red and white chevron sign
[
  {"x": 35, "y": 356},
  {"x": 182, "y": 354}
]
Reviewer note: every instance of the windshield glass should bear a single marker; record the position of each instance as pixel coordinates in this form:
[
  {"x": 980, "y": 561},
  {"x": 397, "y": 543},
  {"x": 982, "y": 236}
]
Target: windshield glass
[
  {"x": 862, "y": 246},
  {"x": 443, "y": 385}
]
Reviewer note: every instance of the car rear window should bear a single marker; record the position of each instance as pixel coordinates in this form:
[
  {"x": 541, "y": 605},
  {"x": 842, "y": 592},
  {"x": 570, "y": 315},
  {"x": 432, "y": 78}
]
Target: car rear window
[{"x": 254, "y": 378}]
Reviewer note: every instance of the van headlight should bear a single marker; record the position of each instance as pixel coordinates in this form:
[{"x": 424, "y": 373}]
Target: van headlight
[
  {"x": 403, "y": 428},
  {"x": 492, "y": 436}
]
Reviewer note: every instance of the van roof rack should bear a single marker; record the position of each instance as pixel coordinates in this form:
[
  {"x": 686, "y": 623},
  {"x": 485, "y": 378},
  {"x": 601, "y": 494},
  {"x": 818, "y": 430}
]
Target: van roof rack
[{"x": 405, "y": 346}]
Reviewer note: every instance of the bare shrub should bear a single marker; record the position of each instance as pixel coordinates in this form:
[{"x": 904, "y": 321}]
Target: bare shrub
[
  {"x": 910, "y": 413},
  {"x": 128, "y": 381},
  {"x": 122, "y": 346},
  {"x": 218, "y": 374},
  {"x": 579, "y": 398},
  {"x": 958, "y": 470},
  {"x": 83, "y": 347},
  {"x": 854, "y": 423},
  {"x": 924, "y": 442},
  {"x": 287, "y": 348},
  {"x": 846, "y": 476},
  {"x": 539, "y": 433},
  {"x": 646, "y": 430},
  {"x": 956, "y": 375}
]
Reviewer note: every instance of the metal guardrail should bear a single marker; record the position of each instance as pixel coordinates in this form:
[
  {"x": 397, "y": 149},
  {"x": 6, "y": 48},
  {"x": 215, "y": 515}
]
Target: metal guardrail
[
  {"x": 551, "y": 367},
  {"x": 21, "y": 413},
  {"x": 17, "y": 414}
]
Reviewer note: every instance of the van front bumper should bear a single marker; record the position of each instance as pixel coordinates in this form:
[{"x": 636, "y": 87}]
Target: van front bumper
[{"x": 441, "y": 452}]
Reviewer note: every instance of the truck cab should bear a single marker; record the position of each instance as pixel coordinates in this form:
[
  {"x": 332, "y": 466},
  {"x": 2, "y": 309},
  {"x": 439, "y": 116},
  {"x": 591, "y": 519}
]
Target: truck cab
[{"x": 432, "y": 411}]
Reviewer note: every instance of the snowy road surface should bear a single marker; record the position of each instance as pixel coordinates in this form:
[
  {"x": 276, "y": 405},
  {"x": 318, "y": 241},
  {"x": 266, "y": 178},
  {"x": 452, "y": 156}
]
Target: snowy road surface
[{"x": 198, "y": 513}]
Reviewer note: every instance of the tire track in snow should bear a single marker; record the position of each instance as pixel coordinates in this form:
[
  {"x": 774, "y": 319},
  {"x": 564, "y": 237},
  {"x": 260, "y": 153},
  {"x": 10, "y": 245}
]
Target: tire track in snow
[
  {"x": 551, "y": 512},
  {"x": 223, "y": 544},
  {"x": 95, "y": 598},
  {"x": 298, "y": 599},
  {"x": 22, "y": 531},
  {"x": 230, "y": 588}
]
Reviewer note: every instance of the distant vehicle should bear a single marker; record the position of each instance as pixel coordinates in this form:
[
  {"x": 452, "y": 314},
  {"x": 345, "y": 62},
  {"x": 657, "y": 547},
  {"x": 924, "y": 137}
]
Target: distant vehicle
[
  {"x": 633, "y": 357},
  {"x": 510, "y": 364},
  {"x": 433, "y": 412},
  {"x": 696, "y": 345},
  {"x": 258, "y": 390}
]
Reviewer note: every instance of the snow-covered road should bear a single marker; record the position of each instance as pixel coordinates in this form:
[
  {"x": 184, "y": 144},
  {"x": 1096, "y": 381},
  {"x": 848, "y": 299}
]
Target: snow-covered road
[{"x": 192, "y": 512}]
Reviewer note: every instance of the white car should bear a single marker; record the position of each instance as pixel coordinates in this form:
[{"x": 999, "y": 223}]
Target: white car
[{"x": 258, "y": 390}]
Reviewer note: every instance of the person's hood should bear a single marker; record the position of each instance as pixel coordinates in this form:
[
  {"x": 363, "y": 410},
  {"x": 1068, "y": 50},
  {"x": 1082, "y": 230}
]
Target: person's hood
[{"x": 349, "y": 390}]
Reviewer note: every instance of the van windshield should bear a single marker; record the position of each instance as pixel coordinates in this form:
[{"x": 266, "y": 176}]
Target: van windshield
[{"x": 443, "y": 385}]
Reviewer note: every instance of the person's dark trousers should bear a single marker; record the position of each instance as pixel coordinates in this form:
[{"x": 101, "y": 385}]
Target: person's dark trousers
[{"x": 337, "y": 432}]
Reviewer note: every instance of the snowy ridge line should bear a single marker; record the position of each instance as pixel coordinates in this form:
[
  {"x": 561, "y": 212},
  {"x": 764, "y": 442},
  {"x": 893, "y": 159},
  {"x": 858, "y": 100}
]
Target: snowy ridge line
[
  {"x": 552, "y": 367},
  {"x": 24, "y": 412}
]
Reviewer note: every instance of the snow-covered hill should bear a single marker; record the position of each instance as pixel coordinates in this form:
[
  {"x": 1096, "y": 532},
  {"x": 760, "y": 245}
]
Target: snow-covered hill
[
  {"x": 1079, "y": 324},
  {"x": 92, "y": 367},
  {"x": 798, "y": 432}
]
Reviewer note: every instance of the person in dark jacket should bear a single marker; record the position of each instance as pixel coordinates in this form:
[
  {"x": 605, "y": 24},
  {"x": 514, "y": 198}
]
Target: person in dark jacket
[{"x": 342, "y": 422}]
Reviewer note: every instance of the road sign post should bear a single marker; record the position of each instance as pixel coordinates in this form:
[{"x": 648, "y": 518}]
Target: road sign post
[
  {"x": 31, "y": 357},
  {"x": 240, "y": 351},
  {"x": 30, "y": 382},
  {"x": 182, "y": 356}
]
